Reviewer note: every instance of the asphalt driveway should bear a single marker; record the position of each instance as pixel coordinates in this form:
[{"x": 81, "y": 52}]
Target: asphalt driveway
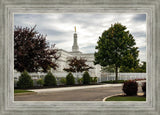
[
  {"x": 91, "y": 94},
  {"x": 87, "y": 94}
]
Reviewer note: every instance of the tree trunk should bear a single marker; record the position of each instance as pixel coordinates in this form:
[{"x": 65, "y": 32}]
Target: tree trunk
[{"x": 116, "y": 73}]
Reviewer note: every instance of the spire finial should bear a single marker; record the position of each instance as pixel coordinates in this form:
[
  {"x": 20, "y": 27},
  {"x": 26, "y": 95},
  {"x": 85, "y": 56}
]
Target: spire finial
[{"x": 75, "y": 28}]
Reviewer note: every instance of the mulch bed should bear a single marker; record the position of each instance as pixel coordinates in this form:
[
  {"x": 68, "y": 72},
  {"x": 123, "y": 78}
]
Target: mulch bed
[{"x": 60, "y": 86}]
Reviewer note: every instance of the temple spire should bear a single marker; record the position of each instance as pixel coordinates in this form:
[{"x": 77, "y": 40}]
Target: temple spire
[
  {"x": 75, "y": 47},
  {"x": 75, "y": 29}
]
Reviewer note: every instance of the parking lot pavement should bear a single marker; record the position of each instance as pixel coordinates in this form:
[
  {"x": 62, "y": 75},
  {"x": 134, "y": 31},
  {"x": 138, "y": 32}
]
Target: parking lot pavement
[
  {"x": 83, "y": 94},
  {"x": 87, "y": 94}
]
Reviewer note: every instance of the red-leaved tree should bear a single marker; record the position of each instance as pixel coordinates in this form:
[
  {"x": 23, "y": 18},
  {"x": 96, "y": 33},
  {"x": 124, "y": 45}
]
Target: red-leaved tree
[
  {"x": 31, "y": 51},
  {"x": 77, "y": 65}
]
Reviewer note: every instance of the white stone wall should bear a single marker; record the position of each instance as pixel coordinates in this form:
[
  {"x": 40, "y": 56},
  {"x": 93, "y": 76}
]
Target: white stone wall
[{"x": 62, "y": 62}]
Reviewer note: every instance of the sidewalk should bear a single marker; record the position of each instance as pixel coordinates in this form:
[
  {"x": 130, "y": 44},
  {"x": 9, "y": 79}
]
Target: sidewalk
[{"x": 73, "y": 88}]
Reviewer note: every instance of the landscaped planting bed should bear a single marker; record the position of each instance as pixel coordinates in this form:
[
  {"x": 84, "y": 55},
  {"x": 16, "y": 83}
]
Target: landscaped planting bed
[
  {"x": 113, "y": 81},
  {"x": 59, "y": 86}
]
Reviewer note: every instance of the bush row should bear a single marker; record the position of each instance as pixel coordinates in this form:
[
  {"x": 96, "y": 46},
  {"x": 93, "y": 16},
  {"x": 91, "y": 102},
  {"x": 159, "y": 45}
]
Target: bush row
[
  {"x": 130, "y": 87},
  {"x": 25, "y": 80}
]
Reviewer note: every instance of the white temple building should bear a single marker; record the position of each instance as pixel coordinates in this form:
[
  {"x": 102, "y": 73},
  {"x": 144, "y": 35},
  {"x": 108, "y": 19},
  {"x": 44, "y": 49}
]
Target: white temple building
[{"x": 65, "y": 55}]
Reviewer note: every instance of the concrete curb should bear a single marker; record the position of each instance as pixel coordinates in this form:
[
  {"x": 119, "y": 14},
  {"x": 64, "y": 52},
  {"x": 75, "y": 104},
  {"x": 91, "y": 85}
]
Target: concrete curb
[
  {"x": 112, "y": 96},
  {"x": 73, "y": 88}
]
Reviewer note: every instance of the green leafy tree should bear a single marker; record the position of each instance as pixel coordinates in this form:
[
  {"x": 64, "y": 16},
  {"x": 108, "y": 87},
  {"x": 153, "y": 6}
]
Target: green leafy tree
[
  {"x": 25, "y": 81},
  {"x": 116, "y": 46},
  {"x": 109, "y": 69},
  {"x": 141, "y": 68}
]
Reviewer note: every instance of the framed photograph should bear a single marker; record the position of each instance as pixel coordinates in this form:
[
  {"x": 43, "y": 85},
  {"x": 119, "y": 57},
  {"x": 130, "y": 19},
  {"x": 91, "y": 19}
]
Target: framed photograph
[
  {"x": 74, "y": 51},
  {"x": 141, "y": 19}
]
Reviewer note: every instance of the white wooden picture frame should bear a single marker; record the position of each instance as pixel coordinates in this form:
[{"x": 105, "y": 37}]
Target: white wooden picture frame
[{"x": 10, "y": 107}]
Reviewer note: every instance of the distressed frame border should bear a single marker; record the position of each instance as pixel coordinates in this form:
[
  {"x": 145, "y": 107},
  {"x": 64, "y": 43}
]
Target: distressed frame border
[{"x": 7, "y": 103}]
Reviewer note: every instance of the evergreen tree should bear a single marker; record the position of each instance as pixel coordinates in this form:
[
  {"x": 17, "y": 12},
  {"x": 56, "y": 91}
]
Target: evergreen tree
[
  {"x": 70, "y": 79},
  {"x": 50, "y": 80},
  {"x": 86, "y": 78},
  {"x": 25, "y": 81}
]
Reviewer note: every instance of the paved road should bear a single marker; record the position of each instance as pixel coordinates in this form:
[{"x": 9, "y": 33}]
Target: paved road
[{"x": 91, "y": 94}]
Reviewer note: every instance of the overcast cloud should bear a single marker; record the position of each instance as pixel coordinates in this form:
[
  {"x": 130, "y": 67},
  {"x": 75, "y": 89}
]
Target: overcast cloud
[{"x": 59, "y": 28}]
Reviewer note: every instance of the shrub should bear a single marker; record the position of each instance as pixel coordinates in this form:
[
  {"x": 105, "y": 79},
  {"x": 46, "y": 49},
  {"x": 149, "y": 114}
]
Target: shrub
[
  {"x": 80, "y": 80},
  {"x": 63, "y": 81},
  {"x": 144, "y": 88},
  {"x": 86, "y": 78},
  {"x": 130, "y": 87},
  {"x": 40, "y": 82},
  {"x": 50, "y": 80},
  {"x": 70, "y": 79},
  {"x": 93, "y": 79},
  {"x": 25, "y": 81}
]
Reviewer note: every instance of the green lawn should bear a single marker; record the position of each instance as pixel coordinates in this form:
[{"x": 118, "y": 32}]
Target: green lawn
[
  {"x": 21, "y": 91},
  {"x": 126, "y": 98}
]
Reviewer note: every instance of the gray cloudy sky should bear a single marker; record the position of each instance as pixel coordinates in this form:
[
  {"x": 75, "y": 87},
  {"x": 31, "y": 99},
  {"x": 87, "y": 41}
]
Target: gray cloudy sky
[{"x": 59, "y": 28}]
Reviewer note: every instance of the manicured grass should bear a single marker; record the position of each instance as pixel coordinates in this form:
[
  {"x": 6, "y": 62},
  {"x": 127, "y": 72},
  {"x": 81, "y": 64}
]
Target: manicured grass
[
  {"x": 126, "y": 98},
  {"x": 119, "y": 81},
  {"x": 21, "y": 91}
]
